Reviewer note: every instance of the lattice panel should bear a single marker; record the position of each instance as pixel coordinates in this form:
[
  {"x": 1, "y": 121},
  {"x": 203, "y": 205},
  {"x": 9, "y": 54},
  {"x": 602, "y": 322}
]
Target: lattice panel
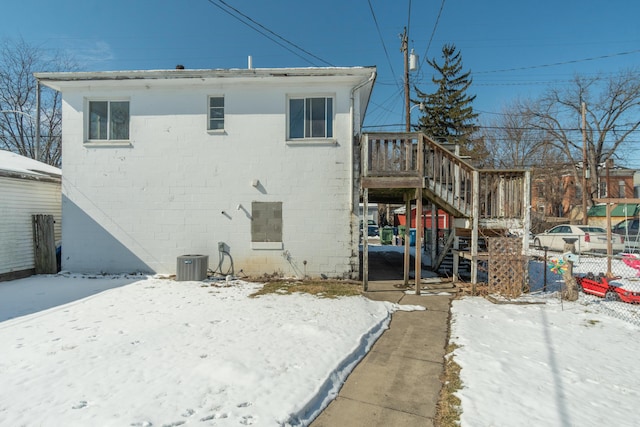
[{"x": 507, "y": 266}]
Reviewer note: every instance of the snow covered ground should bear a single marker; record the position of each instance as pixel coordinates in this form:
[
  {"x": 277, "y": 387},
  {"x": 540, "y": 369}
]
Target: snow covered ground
[
  {"x": 554, "y": 364},
  {"x": 156, "y": 352},
  {"x": 557, "y": 364},
  {"x": 163, "y": 353}
]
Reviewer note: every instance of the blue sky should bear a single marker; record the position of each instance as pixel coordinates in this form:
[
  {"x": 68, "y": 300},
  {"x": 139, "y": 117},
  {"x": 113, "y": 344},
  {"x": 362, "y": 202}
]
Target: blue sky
[{"x": 509, "y": 46}]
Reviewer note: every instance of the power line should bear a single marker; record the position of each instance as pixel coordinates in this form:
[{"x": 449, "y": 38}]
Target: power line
[
  {"x": 267, "y": 30},
  {"x": 386, "y": 107},
  {"x": 520, "y": 83},
  {"x": 555, "y": 64},
  {"x": 384, "y": 47},
  {"x": 523, "y": 128},
  {"x": 409, "y": 19},
  {"x": 561, "y": 129},
  {"x": 433, "y": 32}
]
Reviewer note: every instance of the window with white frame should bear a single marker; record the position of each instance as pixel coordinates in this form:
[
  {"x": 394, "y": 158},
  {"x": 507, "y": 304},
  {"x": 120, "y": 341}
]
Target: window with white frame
[
  {"x": 216, "y": 113},
  {"x": 108, "y": 121},
  {"x": 310, "y": 118}
]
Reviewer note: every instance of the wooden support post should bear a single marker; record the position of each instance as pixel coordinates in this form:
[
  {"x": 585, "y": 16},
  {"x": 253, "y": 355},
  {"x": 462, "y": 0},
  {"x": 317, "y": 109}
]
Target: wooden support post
[
  {"x": 365, "y": 240},
  {"x": 419, "y": 228},
  {"x": 610, "y": 202},
  {"x": 456, "y": 254},
  {"x": 585, "y": 165},
  {"x": 407, "y": 253},
  {"x": 526, "y": 220},
  {"x": 474, "y": 230},
  {"x": 609, "y": 246},
  {"x": 434, "y": 232}
]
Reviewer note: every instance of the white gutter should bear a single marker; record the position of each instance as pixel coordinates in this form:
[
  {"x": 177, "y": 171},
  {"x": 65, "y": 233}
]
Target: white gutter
[{"x": 370, "y": 80}]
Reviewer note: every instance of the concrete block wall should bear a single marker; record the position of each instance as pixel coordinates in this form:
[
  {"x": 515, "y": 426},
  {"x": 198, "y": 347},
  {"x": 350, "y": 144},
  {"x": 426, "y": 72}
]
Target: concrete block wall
[{"x": 138, "y": 207}]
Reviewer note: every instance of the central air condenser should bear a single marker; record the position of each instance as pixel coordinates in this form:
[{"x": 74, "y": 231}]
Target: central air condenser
[{"x": 192, "y": 267}]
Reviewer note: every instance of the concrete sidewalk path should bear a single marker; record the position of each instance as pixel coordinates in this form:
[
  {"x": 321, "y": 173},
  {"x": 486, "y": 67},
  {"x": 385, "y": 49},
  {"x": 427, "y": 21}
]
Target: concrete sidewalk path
[{"x": 398, "y": 381}]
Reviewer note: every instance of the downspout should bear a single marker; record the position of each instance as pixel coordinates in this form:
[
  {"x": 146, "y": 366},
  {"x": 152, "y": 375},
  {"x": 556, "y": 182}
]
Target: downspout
[
  {"x": 370, "y": 80},
  {"x": 37, "y": 142}
]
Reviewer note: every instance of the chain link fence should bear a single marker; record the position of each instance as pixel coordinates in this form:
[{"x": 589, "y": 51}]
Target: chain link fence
[{"x": 610, "y": 284}]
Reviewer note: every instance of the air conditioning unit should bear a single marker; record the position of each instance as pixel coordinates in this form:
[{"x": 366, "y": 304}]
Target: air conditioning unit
[{"x": 192, "y": 268}]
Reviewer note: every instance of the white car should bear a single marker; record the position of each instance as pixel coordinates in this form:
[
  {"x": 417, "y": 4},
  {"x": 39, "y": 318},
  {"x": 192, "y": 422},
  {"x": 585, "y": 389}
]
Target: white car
[{"x": 588, "y": 238}]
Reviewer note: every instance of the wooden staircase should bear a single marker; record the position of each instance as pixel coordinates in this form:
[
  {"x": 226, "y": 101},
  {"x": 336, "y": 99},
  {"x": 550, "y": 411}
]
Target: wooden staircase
[{"x": 406, "y": 167}]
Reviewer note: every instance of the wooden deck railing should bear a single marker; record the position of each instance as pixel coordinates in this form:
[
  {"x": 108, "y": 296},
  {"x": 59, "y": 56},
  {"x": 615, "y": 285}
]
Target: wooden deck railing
[
  {"x": 392, "y": 155},
  {"x": 448, "y": 177},
  {"x": 444, "y": 175},
  {"x": 502, "y": 193}
]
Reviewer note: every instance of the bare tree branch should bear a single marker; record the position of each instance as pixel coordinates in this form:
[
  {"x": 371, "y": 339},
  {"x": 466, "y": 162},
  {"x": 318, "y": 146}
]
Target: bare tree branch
[
  {"x": 613, "y": 114},
  {"x": 18, "y": 62}
]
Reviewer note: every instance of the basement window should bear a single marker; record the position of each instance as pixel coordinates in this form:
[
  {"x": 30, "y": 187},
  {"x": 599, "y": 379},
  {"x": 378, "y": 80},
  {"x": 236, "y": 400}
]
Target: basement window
[{"x": 266, "y": 225}]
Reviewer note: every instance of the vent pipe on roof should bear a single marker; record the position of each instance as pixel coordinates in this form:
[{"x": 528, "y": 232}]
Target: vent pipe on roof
[{"x": 250, "y": 63}]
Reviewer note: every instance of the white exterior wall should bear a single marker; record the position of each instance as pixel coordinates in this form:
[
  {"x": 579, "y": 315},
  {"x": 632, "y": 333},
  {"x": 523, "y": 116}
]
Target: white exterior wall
[
  {"x": 20, "y": 199},
  {"x": 137, "y": 208}
]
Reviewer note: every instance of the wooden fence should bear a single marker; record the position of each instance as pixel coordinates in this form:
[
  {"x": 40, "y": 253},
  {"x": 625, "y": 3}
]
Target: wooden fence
[{"x": 44, "y": 244}]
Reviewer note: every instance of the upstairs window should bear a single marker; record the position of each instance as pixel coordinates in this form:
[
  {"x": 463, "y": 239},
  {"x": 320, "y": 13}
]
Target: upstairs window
[
  {"x": 310, "y": 118},
  {"x": 108, "y": 121},
  {"x": 216, "y": 113}
]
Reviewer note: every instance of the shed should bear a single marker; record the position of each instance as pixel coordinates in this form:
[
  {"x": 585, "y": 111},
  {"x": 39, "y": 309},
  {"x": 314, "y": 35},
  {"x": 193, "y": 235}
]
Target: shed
[
  {"x": 27, "y": 188},
  {"x": 598, "y": 213}
]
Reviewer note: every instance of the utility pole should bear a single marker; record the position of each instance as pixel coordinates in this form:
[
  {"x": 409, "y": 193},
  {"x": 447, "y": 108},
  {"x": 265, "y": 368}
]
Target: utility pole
[
  {"x": 585, "y": 165},
  {"x": 405, "y": 51}
]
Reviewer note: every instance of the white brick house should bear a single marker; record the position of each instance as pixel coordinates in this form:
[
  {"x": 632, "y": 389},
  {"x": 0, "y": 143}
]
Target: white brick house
[{"x": 158, "y": 164}]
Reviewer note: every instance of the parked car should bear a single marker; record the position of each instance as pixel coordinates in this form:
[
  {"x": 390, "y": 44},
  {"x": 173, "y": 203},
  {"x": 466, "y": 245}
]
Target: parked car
[
  {"x": 589, "y": 238},
  {"x": 629, "y": 229},
  {"x": 372, "y": 228},
  {"x": 603, "y": 287}
]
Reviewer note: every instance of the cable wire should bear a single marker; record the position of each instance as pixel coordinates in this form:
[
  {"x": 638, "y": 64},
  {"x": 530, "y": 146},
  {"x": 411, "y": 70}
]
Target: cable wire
[
  {"x": 269, "y": 31},
  {"x": 384, "y": 47},
  {"x": 555, "y": 64},
  {"x": 433, "y": 32},
  {"x": 409, "y": 19}
]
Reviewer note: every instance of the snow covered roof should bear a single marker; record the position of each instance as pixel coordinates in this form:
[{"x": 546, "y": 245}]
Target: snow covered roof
[{"x": 15, "y": 165}]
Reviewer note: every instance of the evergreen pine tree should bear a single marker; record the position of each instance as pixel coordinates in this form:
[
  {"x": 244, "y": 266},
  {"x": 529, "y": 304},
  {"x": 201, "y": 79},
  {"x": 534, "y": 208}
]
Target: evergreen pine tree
[{"x": 448, "y": 114}]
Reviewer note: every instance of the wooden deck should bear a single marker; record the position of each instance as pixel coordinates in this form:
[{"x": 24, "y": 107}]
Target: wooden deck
[{"x": 401, "y": 167}]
